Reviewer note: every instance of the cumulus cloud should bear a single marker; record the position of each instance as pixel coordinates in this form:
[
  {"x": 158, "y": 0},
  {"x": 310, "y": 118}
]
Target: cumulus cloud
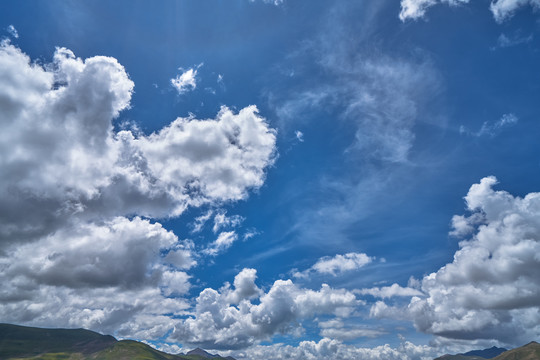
[
  {"x": 415, "y": 9},
  {"x": 186, "y": 81},
  {"x": 229, "y": 319},
  {"x": 337, "y": 265},
  {"x": 390, "y": 291},
  {"x": 77, "y": 246},
  {"x": 491, "y": 289},
  {"x": 61, "y": 158},
  {"x": 327, "y": 348}
]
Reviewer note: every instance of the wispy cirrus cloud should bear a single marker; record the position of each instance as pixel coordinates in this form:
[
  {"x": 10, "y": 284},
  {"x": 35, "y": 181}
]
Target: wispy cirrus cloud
[{"x": 12, "y": 31}]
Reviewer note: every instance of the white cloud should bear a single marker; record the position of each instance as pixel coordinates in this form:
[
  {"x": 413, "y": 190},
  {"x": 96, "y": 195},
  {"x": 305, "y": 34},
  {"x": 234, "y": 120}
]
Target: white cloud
[
  {"x": 390, "y": 291},
  {"x": 107, "y": 277},
  {"x": 504, "y": 9},
  {"x": 333, "y": 349},
  {"x": 415, "y": 9},
  {"x": 187, "y": 80},
  {"x": 219, "y": 323},
  {"x": 491, "y": 289},
  {"x": 61, "y": 157},
  {"x": 274, "y": 2},
  {"x": 222, "y": 243},
  {"x": 337, "y": 265},
  {"x": 501, "y": 9},
  {"x": 12, "y": 31},
  {"x": 299, "y": 135}
]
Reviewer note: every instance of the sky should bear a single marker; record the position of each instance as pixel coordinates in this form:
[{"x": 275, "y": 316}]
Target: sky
[{"x": 277, "y": 179}]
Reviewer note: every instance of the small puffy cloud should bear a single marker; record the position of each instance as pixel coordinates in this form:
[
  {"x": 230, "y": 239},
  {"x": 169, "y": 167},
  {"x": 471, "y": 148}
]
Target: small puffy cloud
[
  {"x": 337, "y": 265},
  {"x": 341, "y": 263},
  {"x": 504, "y": 9},
  {"x": 229, "y": 319},
  {"x": 186, "y": 81},
  {"x": 390, "y": 291},
  {"x": 491, "y": 289},
  {"x": 299, "y": 135},
  {"x": 222, "y": 243},
  {"x": 12, "y": 31},
  {"x": 415, "y": 9}
]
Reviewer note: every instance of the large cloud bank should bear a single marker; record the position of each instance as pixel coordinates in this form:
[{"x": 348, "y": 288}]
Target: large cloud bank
[
  {"x": 491, "y": 290},
  {"x": 77, "y": 243}
]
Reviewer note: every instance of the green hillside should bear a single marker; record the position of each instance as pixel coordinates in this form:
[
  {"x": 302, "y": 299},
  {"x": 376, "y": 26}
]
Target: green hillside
[
  {"x": 29, "y": 343},
  {"x": 531, "y": 351}
]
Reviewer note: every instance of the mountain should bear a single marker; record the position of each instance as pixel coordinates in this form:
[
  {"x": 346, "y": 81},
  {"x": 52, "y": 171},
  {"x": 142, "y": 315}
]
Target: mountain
[
  {"x": 200, "y": 352},
  {"x": 486, "y": 353},
  {"x": 530, "y": 351},
  {"x": 459, "y": 357},
  {"x": 22, "y": 342}
]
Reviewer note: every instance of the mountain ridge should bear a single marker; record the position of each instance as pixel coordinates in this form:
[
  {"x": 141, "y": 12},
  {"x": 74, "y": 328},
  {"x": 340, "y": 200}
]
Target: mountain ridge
[{"x": 530, "y": 351}]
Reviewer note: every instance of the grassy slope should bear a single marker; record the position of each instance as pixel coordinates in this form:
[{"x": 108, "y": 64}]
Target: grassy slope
[
  {"x": 530, "y": 351},
  {"x": 28, "y": 343},
  {"x": 20, "y": 341}
]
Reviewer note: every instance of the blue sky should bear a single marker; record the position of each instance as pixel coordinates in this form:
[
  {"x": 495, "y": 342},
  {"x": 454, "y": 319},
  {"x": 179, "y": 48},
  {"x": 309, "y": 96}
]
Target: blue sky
[{"x": 304, "y": 179}]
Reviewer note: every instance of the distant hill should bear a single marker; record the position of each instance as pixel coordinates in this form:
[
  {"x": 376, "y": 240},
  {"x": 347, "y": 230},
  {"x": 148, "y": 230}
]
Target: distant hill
[
  {"x": 22, "y": 342},
  {"x": 486, "y": 353},
  {"x": 530, "y": 351}
]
